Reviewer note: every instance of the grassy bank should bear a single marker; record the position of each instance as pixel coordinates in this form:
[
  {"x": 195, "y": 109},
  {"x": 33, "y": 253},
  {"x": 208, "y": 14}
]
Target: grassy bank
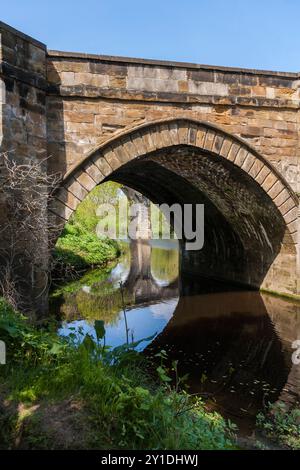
[
  {"x": 56, "y": 395},
  {"x": 78, "y": 249}
]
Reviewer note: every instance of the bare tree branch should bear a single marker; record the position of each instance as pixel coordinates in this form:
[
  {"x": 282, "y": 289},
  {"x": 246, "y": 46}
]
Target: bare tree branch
[{"x": 27, "y": 232}]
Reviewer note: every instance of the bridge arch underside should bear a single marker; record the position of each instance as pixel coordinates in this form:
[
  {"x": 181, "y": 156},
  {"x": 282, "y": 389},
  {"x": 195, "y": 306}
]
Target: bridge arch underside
[
  {"x": 246, "y": 242},
  {"x": 250, "y": 214}
]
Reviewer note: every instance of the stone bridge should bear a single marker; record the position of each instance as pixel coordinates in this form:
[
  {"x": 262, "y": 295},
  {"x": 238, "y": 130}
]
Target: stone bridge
[{"x": 176, "y": 132}]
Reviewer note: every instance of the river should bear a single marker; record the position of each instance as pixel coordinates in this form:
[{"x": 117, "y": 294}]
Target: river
[{"x": 236, "y": 347}]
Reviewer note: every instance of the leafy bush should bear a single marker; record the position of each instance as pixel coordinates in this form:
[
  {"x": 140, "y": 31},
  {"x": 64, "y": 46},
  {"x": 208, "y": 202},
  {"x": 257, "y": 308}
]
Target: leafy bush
[
  {"x": 82, "y": 250},
  {"x": 281, "y": 425},
  {"x": 79, "y": 247},
  {"x": 24, "y": 343}
]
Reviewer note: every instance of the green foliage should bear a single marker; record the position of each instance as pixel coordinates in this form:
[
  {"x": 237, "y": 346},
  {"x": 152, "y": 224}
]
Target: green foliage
[
  {"x": 89, "y": 278},
  {"x": 85, "y": 218},
  {"x": 79, "y": 247},
  {"x": 281, "y": 425},
  {"x": 123, "y": 406},
  {"x": 24, "y": 343},
  {"x": 82, "y": 250}
]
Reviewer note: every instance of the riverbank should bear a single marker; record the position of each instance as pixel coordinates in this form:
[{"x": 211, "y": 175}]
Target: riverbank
[
  {"x": 77, "y": 251},
  {"x": 79, "y": 248},
  {"x": 55, "y": 395}
]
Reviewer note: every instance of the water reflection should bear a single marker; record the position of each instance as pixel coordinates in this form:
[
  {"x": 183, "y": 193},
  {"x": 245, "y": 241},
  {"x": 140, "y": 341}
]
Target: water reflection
[
  {"x": 149, "y": 273},
  {"x": 235, "y": 346}
]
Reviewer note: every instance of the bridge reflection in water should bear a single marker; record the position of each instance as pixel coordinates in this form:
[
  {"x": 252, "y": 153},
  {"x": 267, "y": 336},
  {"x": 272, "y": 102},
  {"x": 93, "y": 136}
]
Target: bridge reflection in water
[
  {"x": 235, "y": 346},
  {"x": 149, "y": 275}
]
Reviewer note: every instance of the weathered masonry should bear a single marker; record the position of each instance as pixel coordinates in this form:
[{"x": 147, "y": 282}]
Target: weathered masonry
[{"x": 177, "y": 132}]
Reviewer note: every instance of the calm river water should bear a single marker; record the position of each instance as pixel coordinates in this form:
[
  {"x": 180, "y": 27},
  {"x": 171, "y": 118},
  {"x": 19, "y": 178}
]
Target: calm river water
[{"x": 235, "y": 346}]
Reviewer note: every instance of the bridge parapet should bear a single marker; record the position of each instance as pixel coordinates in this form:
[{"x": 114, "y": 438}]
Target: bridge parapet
[{"x": 97, "y": 96}]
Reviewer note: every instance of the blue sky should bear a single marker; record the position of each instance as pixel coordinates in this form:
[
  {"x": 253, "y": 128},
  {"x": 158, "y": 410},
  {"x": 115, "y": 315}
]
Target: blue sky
[{"x": 263, "y": 34}]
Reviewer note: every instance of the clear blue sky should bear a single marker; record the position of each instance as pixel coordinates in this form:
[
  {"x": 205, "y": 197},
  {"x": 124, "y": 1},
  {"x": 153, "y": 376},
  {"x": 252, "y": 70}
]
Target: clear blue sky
[{"x": 262, "y": 34}]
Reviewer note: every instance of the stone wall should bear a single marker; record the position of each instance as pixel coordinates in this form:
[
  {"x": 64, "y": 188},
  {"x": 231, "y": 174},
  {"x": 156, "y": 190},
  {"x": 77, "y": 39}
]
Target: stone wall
[
  {"x": 182, "y": 132},
  {"x": 23, "y": 73},
  {"x": 93, "y": 100},
  {"x": 23, "y": 137},
  {"x": 96, "y": 97}
]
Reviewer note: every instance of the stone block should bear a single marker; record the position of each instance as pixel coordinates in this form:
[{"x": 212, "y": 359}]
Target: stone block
[
  {"x": 173, "y": 129},
  {"x": 130, "y": 149},
  {"x": 78, "y": 117},
  {"x": 85, "y": 180},
  {"x": 256, "y": 167},
  {"x": 111, "y": 158},
  {"x": 262, "y": 175},
  {"x": 93, "y": 171},
  {"x": 76, "y": 188},
  {"x": 209, "y": 140},
  {"x": 282, "y": 197},
  {"x": 218, "y": 142},
  {"x": 291, "y": 215},
  {"x": 147, "y": 142},
  {"x": 192, "y": 135},
  {"x": 183, "y": 133},
  {"x": 200, "y": 138},
  {"x": 241, "y": 156},
  {"x": 201, "y": 75},
  {"x": 60, "y": 209},
  {"x": 138, "y": 143},
  {"x": 207, "y": 88},
  {"x": 293, "y": 229},
  {"x": 121, "y": 153},
  {"x": 287, "y": 206},
  {"x": 165, "y": 133},
  {"x": 276, "y": 189},
  {"x": 233, "y": 151},
  {"x": 68, "y": 198},
  {"x": 101, "y": 163},
  {"x": 226, "y": 146},
  {"x": 248, "y": 162},
  {"x": 269, "y": 182}
]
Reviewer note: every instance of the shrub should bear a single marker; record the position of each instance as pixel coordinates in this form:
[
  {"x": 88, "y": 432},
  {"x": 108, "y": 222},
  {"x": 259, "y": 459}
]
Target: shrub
[{"x": 281, "y": 425}]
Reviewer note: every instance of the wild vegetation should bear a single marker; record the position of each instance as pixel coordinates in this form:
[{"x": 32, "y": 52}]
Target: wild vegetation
[
  {"x": 56, "y": 394},
  {"x": 79, "y": 247},
  {"x": 281, "y": 425}
]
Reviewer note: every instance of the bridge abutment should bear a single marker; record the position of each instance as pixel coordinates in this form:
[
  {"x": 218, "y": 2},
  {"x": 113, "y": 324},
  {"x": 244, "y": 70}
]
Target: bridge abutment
[{"x": 23, "y": 139}]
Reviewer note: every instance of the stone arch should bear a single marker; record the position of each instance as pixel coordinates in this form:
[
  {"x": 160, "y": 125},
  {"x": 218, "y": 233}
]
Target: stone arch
[
  {"x": 147, "y": 138},
  {"x": 251, "y": 213}
]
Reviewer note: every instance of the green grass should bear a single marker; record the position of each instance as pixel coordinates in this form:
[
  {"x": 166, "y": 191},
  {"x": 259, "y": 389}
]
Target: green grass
[{"x": 56, "y": 395}]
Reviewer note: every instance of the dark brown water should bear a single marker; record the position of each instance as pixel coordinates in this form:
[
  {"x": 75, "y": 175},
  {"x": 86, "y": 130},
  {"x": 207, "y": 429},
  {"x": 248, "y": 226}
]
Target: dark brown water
[{"x": 235, "y": 346}]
